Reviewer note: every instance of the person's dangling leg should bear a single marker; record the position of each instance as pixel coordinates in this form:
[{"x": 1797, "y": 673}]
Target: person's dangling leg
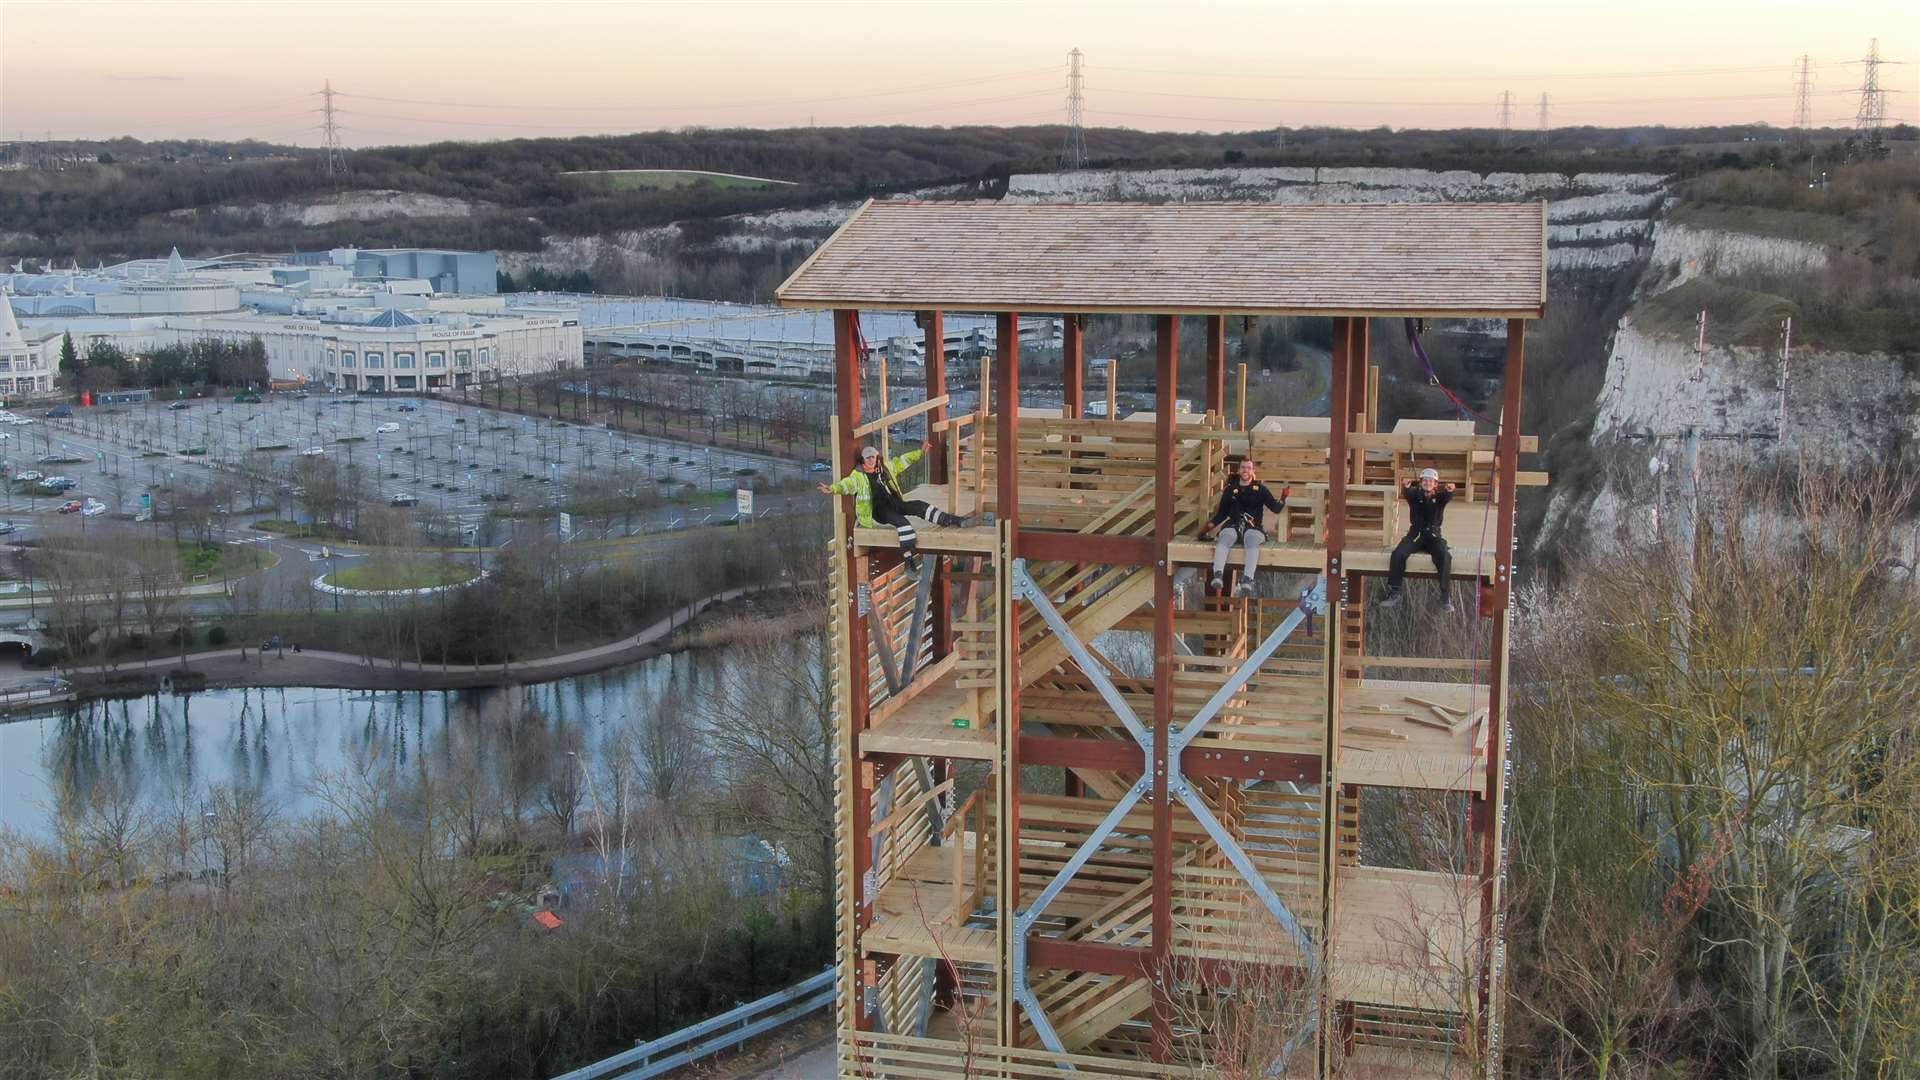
[
  {"x": 1442, "y": 562},
  {"x": 1251, "y": 539},
  {"x": 903, "y": 530},
  {"x": 928, "y": 512},
  {"x": 1397, "y": 569},
  {"x": 1222, "y": 544}
]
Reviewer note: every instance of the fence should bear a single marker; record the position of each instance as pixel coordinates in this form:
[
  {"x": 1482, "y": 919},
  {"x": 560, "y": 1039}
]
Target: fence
[{"x": 729, "y": 1029}]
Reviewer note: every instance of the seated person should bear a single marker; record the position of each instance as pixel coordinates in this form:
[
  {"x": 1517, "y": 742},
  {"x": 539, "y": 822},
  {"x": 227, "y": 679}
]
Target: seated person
[
  {"x": 877, "y": 498},
  {"x": 1427, "y": 502},
  {"x": 1241, "y": 520}
]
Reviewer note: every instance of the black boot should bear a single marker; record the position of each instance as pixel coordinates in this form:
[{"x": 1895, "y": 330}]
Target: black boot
[{"x": 1394, "y": 598}]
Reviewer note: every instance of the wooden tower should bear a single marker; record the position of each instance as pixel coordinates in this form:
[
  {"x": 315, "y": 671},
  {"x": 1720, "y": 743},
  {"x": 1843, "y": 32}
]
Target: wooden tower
[{"x": 1093, "y": 814}]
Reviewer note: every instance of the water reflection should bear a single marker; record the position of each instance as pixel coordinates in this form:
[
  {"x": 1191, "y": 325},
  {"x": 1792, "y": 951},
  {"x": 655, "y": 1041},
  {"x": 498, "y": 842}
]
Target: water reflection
[{"x": 279, "y": 740}]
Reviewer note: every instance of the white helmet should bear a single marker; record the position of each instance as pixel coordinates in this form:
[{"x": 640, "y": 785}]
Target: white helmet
[{"x": 1430, "y": 474}]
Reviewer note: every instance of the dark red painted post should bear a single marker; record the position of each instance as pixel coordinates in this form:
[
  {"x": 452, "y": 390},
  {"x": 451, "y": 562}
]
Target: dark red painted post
[
  {"x": 1073, "y": 365},
  {"x": 1167, "y": 385},
  {"x": 1217, "y": 365},
  {"x": 846, "y": 380}
]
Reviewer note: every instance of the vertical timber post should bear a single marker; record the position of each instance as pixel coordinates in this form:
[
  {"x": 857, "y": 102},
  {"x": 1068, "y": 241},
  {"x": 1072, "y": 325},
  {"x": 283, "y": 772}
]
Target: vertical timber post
[
  {"x": 1490, "y": 808},
  {"x": 859, "y": 776},
  {"x": 1338, "y": 468},
  {"x": 934, "y": 351},
  {"x": 1166, "y": 387},
  {"x": 1073, "y": 365},
  {"x": 1358, "y": 358},
  {"x": 1006, "y": 405},
  {"x": 1217, "y": 366}
]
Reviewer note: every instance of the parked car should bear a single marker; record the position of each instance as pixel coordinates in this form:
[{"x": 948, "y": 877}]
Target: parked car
[
  {"x": 408, "y": 408},
  {"x": 246, "y": 399},
  {"x": 6, "y": 527},
  {"x": 313, "y": 451},
  {"x": 59, "y": 412},
  {"x": 73, "y": 507},
  {"x": 46, "y": 458},
  {"x": 819, "y": 466},
  {"x": 29, "y": 476},
  {"x": 94, "y": 508},
  {"x": 386, "y": 428},
  {"x": 403, "y": 499},
  {"x": 58, "y": 483}
]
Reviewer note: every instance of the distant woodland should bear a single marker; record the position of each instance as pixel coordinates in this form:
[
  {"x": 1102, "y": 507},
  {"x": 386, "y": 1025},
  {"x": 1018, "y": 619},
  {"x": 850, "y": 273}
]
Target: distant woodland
[{"x": 130, "y": 199}]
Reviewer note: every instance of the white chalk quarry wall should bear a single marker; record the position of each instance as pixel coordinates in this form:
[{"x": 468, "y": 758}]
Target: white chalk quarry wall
[
  {"x": 1840, "y": 406},
  {"x": 1684, "y": 252}
]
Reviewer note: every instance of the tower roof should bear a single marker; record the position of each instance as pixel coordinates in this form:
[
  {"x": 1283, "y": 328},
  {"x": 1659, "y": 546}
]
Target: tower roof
[{"x": 1384, "y": 259}]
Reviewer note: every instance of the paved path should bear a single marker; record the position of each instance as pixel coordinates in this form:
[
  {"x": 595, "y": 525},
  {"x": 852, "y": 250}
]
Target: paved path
[
  {"x": 817, "y": 1062},
  {"x": 522, "y": 670}
]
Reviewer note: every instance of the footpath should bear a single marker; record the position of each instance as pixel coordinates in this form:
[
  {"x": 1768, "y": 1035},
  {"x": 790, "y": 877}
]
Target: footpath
[{"x": 318, "y": 667}]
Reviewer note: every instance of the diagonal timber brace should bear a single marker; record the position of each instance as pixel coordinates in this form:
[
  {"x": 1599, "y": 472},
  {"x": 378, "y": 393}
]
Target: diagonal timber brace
[{"x": 900, "y": 674}]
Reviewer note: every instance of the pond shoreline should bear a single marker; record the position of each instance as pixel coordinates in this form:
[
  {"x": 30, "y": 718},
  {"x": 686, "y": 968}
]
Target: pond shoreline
[{"x": 249, "y": 667}]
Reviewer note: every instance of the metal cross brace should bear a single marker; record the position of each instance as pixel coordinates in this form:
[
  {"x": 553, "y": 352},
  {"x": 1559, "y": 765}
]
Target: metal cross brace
[{"x": 1024, "y": 921}]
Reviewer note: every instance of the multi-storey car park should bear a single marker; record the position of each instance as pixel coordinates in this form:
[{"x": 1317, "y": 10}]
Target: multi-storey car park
[{"x": 1060, "y": 851}]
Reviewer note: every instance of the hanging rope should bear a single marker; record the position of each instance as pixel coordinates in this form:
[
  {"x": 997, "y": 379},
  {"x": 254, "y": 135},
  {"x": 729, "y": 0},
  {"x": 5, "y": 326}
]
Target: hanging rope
[{"x": 1433, "y": 377}]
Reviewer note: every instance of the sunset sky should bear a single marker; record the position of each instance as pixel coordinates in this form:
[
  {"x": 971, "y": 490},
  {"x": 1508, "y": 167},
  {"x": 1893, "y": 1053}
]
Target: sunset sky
[{"x": 415, "y": 72}]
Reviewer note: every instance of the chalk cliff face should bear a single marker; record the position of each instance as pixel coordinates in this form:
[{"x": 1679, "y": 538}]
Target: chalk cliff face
[{"x": 1748, "y": 404}]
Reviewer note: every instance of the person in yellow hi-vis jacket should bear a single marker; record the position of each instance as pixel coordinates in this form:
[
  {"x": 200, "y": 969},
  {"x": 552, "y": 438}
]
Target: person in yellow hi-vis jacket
[{"x": 877, "y": 499}]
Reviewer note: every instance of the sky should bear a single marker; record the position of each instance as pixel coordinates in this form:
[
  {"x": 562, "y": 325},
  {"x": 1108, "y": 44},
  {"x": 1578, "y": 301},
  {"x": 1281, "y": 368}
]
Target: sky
[{"x": 422, "y": 71}]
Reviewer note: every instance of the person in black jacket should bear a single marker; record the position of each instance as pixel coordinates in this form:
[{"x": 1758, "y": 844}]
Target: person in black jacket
[
  {"x": 1427, "y": 500},
  {"x": 1241, "y": 520}
]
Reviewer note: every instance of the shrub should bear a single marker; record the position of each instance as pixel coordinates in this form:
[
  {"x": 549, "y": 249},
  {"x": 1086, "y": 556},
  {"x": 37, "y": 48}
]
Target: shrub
[{"x": 217, "y": 635}]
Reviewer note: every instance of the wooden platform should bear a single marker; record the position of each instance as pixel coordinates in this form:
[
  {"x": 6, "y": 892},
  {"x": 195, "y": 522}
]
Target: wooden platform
[{"x": 1400, "y": 936}]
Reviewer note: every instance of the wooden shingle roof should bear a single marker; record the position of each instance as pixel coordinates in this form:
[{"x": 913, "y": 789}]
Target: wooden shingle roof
[{"x": 1434, "y": 259}]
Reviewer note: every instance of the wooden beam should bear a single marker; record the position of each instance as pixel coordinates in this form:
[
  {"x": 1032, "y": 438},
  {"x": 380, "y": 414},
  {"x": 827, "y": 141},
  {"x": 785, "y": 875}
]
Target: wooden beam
[
  {"x": 934, "y": 352},
  {"x": 853, "y": 656},
  {"x": 1341, "y": 412},
  {"x": 1006, "y": 780},
  {"x": 933, "y": 346},
  {"x": 1006, "y": 412},
  {"x": 1217, "y": 365},
  {"x": 1085, "y": 547},
  {"x": 1487, "y": 808},
  {"x": 1166, "y": 386},
  {"x": 1087, "y": 956},
  {"x": 901, "y": 415},
  {"x": 1073, "y": 365}
]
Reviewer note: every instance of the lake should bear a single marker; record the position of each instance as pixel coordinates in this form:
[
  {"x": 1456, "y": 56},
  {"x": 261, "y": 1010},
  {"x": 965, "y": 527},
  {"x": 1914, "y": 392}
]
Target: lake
[{"x": 280, "y": 740}]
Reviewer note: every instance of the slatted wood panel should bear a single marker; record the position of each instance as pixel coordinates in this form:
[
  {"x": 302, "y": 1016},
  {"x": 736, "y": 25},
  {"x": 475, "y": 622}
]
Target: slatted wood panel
[
  {"x": 906, "y": 1058},
  {"x": 1485, "y": 259}
]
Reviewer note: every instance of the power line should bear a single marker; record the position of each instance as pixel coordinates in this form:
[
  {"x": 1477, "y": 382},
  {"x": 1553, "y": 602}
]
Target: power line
[
  {"x": 1074, "y": 156},
  {"x": 978, "y": 80},
  {"x": 1803, "y": 100},
  {"x": 334, "y": 162},
  {"x": 1675, "y": 73},
  {"x": 1873, "y": 100}
]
